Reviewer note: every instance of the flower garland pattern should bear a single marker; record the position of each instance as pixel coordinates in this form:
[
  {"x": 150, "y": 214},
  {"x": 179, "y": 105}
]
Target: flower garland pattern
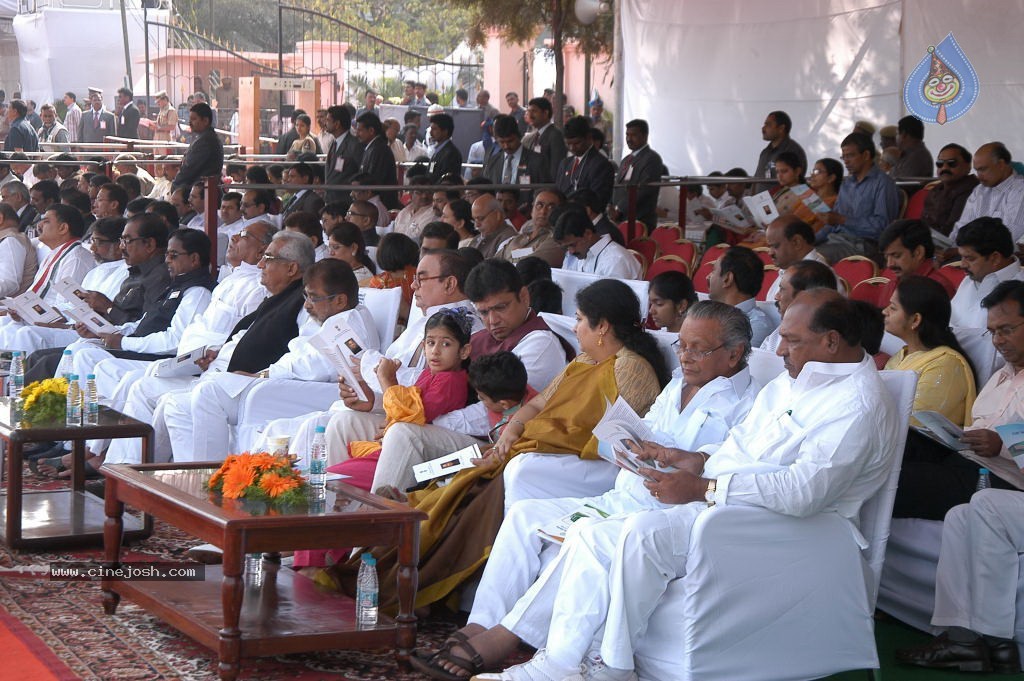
[{"x": 45, "y": 401}]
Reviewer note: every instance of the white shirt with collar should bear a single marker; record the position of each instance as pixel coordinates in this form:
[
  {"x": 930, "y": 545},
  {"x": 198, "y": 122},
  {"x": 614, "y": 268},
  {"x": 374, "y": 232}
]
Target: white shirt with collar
[
  {"x": 1004, "y": 201},
  {"x": 74, "y": 266},
  {"x": 232, "y": 228},
  {"x": 303, "y": 362},
  {"x": 605, "y": 258},
  {"x": 238, "y": 295},
  {"x": 12, "y": 265},
  {"x": 967, "y": 310},
  {"x": 760, "y": 323}
]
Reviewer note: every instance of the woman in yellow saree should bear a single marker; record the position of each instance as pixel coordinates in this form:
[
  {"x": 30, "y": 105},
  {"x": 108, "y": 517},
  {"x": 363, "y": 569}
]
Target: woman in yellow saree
[{"x": 618, "y": 358}]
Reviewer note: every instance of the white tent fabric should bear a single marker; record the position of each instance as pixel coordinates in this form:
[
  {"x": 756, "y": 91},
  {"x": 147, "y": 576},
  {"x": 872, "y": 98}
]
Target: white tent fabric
[
  {"x": 705, "y": 73},
  {"x": 8, "y": 8}
]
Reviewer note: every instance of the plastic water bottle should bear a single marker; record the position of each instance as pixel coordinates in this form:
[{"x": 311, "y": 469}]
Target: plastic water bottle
[
  {"x": 66, "y": 366},
  {"x": 318, "y": 464},
  {"x": 367, "y": 593},
  {"x": 92, "y": 402},
  {"x": 253, "y": 569},
  {"x": 984, "y": 481},
  {"x": 17, "y": 377},
  {"x": 74, "y": 408}
]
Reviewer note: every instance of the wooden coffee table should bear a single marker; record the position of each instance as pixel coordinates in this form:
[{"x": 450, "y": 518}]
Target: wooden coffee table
[
  {"x": 287, "y": 613},
  {"x": 63, "y": 517}
]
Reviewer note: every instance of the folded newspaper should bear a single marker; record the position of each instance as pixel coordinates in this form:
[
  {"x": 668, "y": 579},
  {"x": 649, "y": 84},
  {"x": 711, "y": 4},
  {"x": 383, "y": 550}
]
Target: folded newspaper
[
  {"x": 617, "y": 431},
  {"x": 447, "y": 465},
  {"x": 556, "y": 530},
  {"x": 945, "y": 432},
  {"x": 182, "y": 365},
  {"x": 339, "y": 344}
]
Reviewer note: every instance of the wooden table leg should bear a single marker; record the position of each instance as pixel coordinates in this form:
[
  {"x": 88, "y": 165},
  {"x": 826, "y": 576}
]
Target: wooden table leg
[
  {"x": 14, "y": 490},
  {"x": 78, "y": 465},
  {"x": 408, "y": 583},
  {"x": 113, "y": 528},
  {"x": 231, "y": 589}
]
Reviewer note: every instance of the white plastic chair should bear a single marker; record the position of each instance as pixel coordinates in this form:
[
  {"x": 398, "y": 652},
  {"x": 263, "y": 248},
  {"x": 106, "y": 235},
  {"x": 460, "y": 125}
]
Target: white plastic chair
[
  {"x": 563, "y": 326},
  {"x": 571, "y": 283},
  {"x": 716, "y": 622},
  {"x": 978, "y": 346},
  {"x": 764, "y": 365},
  {"x": 383, "y": 304}
]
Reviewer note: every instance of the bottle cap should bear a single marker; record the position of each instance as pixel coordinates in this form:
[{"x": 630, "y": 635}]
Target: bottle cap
[
  {"x": 982, "y": 471},
  {"x": 73, "y": 377},
  {"x": 67, "y": 352},
  {"x": 369, "y": 559},
  {"x": 90, "y": 377},
  {"x": 321, "y": 429},
  {"x": 16, "y": 353}
]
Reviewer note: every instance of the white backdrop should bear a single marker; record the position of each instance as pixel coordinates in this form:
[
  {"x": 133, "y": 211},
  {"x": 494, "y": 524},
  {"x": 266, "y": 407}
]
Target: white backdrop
[{"x": 705, "y": 72}]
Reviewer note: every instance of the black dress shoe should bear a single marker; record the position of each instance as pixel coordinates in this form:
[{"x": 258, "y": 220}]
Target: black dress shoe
[
  {"x": 1005, "y": 657},
  {"x": 942, "y": 653}
]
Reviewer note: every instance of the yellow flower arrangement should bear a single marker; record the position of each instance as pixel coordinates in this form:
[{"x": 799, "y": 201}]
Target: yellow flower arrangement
[
  {"x": 259, "y": 476},
  {"x": 45, "y": 401}
]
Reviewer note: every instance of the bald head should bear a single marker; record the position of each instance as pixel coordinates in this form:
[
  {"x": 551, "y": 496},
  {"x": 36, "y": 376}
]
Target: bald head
[
  {"x": 992, "y": 163},
  {"x": 487, "y": 214}
]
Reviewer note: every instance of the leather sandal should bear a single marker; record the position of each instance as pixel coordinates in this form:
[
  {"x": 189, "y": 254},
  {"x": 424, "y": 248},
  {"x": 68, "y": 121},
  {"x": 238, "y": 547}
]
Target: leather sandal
[{"x": 430, "y": 663}]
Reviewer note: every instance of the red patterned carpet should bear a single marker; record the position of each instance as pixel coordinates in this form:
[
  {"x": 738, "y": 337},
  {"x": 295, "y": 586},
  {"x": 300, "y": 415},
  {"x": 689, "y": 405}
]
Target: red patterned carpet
[{"x": 63, "y": 626}]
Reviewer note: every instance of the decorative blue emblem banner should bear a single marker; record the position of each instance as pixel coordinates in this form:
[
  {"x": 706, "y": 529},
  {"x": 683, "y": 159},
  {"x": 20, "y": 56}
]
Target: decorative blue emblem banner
[{"x": 943, "y": 86}]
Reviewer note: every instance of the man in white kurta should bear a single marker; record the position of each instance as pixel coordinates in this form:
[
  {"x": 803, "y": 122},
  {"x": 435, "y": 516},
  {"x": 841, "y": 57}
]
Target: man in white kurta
[
  {"x": 121, "y": 381},
  {"x": 599, "y": 255},
  {"x": 820, "y": 438},
  {"x": 198, "y": 421},
  {"x": 438, "y": 285}
]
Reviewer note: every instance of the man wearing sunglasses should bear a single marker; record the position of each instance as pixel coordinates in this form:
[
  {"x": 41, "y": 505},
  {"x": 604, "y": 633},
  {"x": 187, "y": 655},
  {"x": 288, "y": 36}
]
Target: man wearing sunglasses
[{"x": 945, "y": 200}]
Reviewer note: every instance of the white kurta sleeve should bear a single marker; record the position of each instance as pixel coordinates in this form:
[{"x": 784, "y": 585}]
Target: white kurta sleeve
[
  {"x": 12, "y": 266},
  {"x": 193, "y": 303}
]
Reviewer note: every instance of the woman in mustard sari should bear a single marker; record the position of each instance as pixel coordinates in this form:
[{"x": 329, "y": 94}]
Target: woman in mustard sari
[
  {"x": 618, "y": 358},
  {"x": 918, "y": 314}
]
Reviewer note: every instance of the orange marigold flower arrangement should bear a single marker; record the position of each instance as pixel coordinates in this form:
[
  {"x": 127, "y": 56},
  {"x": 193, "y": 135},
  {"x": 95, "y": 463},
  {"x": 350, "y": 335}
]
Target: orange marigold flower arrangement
[{"x": 259, "y": 476}]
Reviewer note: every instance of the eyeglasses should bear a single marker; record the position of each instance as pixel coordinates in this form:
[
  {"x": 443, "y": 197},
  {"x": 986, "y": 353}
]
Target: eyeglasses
[
  {"x": 318, "y": 299},
  {"x": 266, "y": 257},
  {"x": 417, "y": 279},
  {"x": 1003, "y": 331},
  {"x": 171, "y": 255},
  {"x": 245, "y": 233},
  {"x": 482, "y": 217},
  {"x": 698, "y": 355},
  {"x": 128, "y": 240},
  {"x": 356, "y": 215},
  {"x": 100, "y": 241},
  {"x": 951, "y": 162}
]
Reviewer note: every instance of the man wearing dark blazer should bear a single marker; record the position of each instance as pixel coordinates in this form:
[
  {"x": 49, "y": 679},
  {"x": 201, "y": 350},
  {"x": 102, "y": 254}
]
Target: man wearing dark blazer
[
  {"x": 344, "y": 156},
  {"x": 97, "y": 122},
  {"x": 586, "y": 168},
  {"x": 640, "y": 166},
  {"x": 305, "y": 200},
  {"x": 128, "y": 121},
  {"x": 205, "y": 156},
  {"x": 447, "y": 159},
  {"x": 378, "y": 160},
  {"x": 546, "y": 139},
  {"x": 510, "y": 161}
]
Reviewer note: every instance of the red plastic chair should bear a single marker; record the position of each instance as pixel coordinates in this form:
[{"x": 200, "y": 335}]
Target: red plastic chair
[
  {"x": 700, "y": 276},
  {"x": 771, "y": 273},
  {"x": 714, "y": 253},
  {"x": 684, "y": 248},
  {"x": 642, "y": 259},
  {"x": 667, "y": 263},
  {"x": 954, "y": 272},
  {"x": 664, "y": 235},
  {"x": 647, "y": 247},
  {"x": 856, "y": 269},
  {"x": 764, "y": 254},
  {"x": 639, "y": 230},
  {"x": 869, "y": 290},
  {"x": 915, "y": 206}
]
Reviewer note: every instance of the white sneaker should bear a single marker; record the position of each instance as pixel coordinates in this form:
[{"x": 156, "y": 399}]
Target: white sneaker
[
  {"x": 535, "y": 669},
  {"x": 594, "y": 669}
]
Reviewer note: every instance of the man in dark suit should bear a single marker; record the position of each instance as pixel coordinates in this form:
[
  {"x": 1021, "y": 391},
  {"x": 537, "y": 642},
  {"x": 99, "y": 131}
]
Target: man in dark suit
[
  {"x": 640, "y": 166},
  {"x": 447, "y": 159},
  {"x": 285, "y": 141},
  {"x": 378, "y": 160},
  {"x": 16, "y": 195},
  {"x": 586, "y": 168},
  {"x": 97, "y": 122},
  {"x": 128, "y": 121},
  {"x": 305, "y": 200},
  {"x": 510, "y": 161},
  {"x": 21, "y": 136},
  {"x": 344, "y": 156},
  {"x": 205, "y": 156},
  {"x": 546, "y": 139}
]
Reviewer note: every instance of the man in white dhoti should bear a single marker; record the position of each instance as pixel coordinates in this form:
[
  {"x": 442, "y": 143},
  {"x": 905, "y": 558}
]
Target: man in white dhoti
[{"x": 820, "y": 438}]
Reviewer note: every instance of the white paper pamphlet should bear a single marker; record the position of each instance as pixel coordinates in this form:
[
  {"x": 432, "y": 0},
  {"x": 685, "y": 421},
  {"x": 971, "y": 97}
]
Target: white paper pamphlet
[
  {"x": 91, "y": 319},
  {"x": 33, "y": 310},
  {"x": 339, "y": 344},
  {"x": 555, "y": 531},
  {"x": 182, "y": 365},
  {"x": 762, "y": 209},
  {"x": 447, "y": 465},
  {"x": 939, "y": 428},
  {"x": 619, "y": 426}
]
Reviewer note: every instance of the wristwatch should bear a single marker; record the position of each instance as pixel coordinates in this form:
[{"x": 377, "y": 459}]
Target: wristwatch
[{"x": 709, "y": 496}]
